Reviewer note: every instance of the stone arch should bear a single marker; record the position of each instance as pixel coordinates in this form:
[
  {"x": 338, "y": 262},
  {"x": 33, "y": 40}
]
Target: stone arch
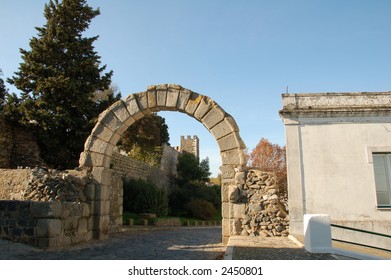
[{"x": 113, "y": 122}]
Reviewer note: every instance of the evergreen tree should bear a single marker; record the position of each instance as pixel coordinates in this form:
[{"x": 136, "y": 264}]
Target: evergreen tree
[
  {"x": 58, "y": 78},
  {"x": 3, "y": 93}
]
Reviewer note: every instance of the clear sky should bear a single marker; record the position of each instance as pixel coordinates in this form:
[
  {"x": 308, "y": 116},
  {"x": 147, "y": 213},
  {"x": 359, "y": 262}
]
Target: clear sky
[{"x": 241, "y": 53}]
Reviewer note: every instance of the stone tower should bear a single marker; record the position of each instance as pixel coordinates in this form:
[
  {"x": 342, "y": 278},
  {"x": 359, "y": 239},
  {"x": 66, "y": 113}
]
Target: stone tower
[{"x": 190, "y": 145}]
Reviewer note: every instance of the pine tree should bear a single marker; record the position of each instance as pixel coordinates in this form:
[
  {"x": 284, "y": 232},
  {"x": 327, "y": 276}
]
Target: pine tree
[{"x": 58, "y": 78}]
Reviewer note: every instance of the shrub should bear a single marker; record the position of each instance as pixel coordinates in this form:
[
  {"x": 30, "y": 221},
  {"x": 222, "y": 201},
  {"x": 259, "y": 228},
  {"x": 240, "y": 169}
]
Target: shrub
[
  {"x": 144, "y": 197},
  {"x": 202, "y": 209}
]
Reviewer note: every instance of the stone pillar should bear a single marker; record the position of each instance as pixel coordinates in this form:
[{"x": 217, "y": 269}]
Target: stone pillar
[{"x": 101, "y": 203}]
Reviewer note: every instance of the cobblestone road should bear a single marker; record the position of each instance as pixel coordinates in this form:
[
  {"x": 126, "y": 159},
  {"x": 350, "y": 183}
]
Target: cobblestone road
[{"x": 185, "y": 243}]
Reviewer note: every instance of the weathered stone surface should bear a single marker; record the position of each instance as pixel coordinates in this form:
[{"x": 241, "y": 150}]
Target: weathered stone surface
[
  {"x": 90, "y": 159},
  {"x": 133, "y": 107},
  {"x": 97, "y": 145},
  {"x": 103, "y": 176},
  {"x": 233, "y": 157},
  {"x": 183, "y": 98},
  {"x": 227, "y": 172},
  {"x": 225, "y": 127},
  {"x": 110, "y": 120},
  {"x": 161, "y": 97},
  {"x": 48, "y": 227},
  {"x": 193, "y": 103},
  {"x": 120, "y": 111},
  {"x": 204, "y": 107},
  {"x": 152, "y": 101},
  {"x": 265, "y": 214},
  {"x": 104, "y": 133},
  {"x": 142, "y": 100},
  {"x": 230, "y": 142},
  {"x": 172, "y": 99},
  {"x": 213, "y": 117},
  {"x": 46, "y": 209}
]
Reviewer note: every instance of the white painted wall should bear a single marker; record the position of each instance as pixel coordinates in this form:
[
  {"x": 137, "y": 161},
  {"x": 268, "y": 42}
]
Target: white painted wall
[{"x": 330, "y": 171}]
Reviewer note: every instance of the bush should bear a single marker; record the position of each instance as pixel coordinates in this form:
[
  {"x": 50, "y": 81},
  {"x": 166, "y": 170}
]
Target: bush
[
  {"x": 144, "y": 197},
  {"x": 180, "y": 198},
  {"x": 202, "y": 209}
]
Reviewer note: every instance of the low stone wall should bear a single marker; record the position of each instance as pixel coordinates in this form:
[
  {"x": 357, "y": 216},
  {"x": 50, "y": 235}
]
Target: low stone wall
[
  {"x": 45, "y": 224},
  {"x": 257, "y": 208}
]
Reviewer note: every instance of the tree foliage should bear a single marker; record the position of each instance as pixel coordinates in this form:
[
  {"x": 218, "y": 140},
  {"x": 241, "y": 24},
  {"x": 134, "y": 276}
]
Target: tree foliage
[
  {"x": 3, "y": 92},
  {"x": 143, "y": 139},
  {"x": 58, "y": 78},
  {"x": 189, "y": 168},
  {"x": 271, "y": 158}
]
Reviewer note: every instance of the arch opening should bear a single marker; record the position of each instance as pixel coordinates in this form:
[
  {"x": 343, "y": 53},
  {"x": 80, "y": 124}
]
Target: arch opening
[{"x": 114, "y": 121}]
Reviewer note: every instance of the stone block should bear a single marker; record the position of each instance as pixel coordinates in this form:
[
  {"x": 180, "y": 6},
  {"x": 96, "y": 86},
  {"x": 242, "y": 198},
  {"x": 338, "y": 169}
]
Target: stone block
[
  {"x": 225, "y": 227},
  {"x": 172, "y": 99},
  {"x": 233, "y": 193},
  {"x": 102, "y": 192},
  {"x": 224, "y": 194},
  {"x": 142, "y": 100},
  {"x": 70, "y": 225},
  {"x": 97, "y": 145},
  {"x": 204, "y": 107},
  {"x": 226, "y": 210},
  {"x": 193, "y": 103},
  {"x": 183, "y": 98},
  {"x": 120, "y": 111},
  {"x": 227, "y": 172},
  {"x": 42, "y": 209},
  {"x": 230, "y": 142},
  {"x": 233, "y": 157},
  {"x": 213, "y": 117},
  {"x": 109, "y": 119},
  {"x": 133, "y": 107},
  {"x": 83, "y": 225},
  {"x": 89, "y": 192},
  {"x": 102, "y": 207},
  {"x": 45, "y": 243},
  {"x": 152, "y": 101},
  {"x": 161, "y": 97},
  {"x": 225, "y": 127},
  {"x": 238, "y": 210},
  {"x": 48, "y": 228},
  {"x": 102, "y": 132},
  {"x": 103, "y": 176},
  {"x": 104, "y": 222},
  {"x": 90, "y": 223}
]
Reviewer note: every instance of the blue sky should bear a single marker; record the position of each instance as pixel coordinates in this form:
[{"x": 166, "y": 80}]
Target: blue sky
[{"x": 243, "y": 54}]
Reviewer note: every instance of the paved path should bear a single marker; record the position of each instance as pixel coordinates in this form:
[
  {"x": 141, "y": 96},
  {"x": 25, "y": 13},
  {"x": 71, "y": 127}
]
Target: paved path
[
  {"x": 185, "y": 243},
  {"x": 270, "y": 248}
]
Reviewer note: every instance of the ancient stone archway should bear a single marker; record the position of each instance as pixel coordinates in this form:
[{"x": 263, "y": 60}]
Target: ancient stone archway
[{"x": 114, "y": 121}]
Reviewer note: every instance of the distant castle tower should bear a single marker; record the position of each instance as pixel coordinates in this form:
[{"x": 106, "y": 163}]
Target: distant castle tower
[{"x": 190, "y": 145}]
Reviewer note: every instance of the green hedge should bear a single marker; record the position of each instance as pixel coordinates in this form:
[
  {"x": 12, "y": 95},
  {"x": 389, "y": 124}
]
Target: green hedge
[{"x": 141, "y": 196}]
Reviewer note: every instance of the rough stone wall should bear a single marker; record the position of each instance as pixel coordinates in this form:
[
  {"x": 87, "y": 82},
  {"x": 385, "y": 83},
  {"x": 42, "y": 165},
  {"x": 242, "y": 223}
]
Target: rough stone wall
[
  {"x": 18, "y": 147},
  {"x": 169, "y": 161},
  {"x": 45, "y": 224},
  {"x": 257, "y": 207},
  {"x": 41, "y": 184},
  {"x": 127, "y": 167}
]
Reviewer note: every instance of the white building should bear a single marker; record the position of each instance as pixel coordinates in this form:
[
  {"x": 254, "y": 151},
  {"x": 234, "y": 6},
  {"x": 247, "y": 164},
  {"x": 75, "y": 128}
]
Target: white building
[{"x": 339, "y": 162}]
